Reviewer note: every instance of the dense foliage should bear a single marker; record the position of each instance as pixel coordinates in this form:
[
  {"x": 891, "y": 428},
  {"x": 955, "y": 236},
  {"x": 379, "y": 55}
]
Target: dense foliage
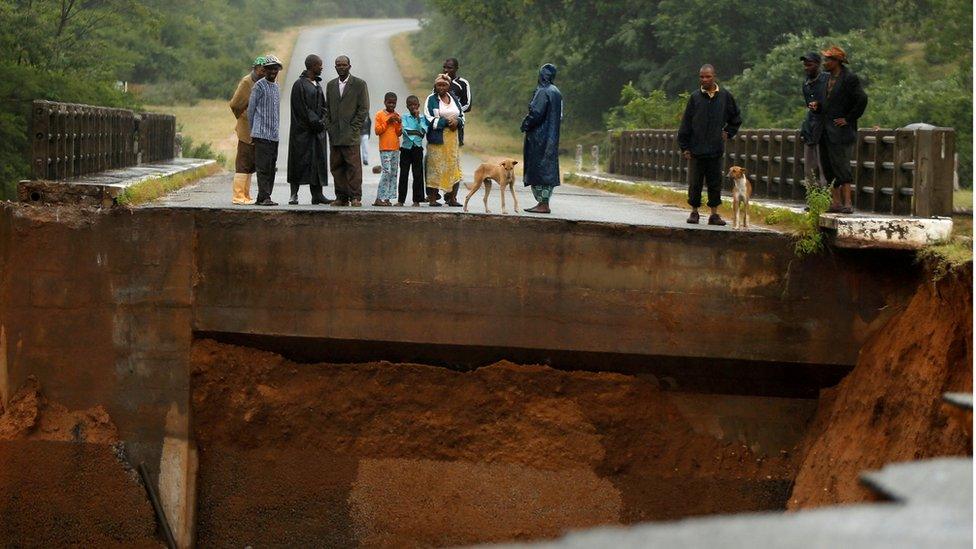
[
  {"x": 624, "y": 64},
  {"x": 77, "y": 50}
]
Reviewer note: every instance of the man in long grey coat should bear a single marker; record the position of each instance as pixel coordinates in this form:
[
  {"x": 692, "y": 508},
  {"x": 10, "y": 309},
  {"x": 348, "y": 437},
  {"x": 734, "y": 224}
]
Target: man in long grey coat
[
  {"x": 346, "y": 108},
  {"x": 541, "y": 148},
  {"x": 307, "y": 164}
]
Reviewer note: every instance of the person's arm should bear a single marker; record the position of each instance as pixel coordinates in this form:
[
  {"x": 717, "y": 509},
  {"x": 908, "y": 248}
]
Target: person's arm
[
  {"x": 362, "y": 109},
  {"x": 326, "y": 112},
  {"x": 379, "y": 124},
  {"x": 733, "y": 117},
  {"x": 421, "y": 126},
  {"x": 684, "y": 131},
  {"x": 434, "y": 121},
  {"x": 538, "y": 108},
  {"x": 257, "y": 94},
  {"x": 466, "y": 107},
  {"x": 460, "y": 117},
  {"x": 298, "y": 104},
  {"x": 238, "y": 103},
  {"x": 860, "y": 100}
]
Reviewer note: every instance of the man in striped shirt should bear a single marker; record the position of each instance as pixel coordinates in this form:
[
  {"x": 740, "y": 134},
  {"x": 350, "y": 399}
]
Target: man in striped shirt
[{"x": 263, "y": 112}]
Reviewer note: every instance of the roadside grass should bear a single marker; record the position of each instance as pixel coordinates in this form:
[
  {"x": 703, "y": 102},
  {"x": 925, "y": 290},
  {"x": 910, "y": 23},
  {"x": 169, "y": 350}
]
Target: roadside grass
[
  {"x": 153, "y": 188},
  {"x": 962, "y": 199},
  {"x": 209, "y": 121}
]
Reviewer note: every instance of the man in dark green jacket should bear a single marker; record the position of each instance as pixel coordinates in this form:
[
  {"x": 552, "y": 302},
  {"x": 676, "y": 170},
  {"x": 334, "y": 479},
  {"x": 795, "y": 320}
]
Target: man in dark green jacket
[
  {"x": 711, "y": 117},
  {"x": 346, "y": 108}
]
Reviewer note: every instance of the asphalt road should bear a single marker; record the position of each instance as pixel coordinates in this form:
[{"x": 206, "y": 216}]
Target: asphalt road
[{"x": 367, "y": 45}]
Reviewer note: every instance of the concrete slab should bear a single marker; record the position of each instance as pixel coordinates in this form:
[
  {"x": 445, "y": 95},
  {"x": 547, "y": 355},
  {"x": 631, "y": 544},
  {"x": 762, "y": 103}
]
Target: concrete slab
[
  {"x": 103, "y": 188},
  {"x": 936, "y": 512},
  {"x": 878, "y": 231},
  {"x": 962, "y": 400},
  {"x": 942, "y": 481}
]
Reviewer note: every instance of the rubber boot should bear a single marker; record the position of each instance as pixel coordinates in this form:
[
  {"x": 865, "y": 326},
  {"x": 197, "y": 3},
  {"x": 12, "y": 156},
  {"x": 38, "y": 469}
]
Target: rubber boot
[
  {"x": 294, "y": 193},
  {"x": 240, "y": 180},
  {"x": 247, "y": 188}
]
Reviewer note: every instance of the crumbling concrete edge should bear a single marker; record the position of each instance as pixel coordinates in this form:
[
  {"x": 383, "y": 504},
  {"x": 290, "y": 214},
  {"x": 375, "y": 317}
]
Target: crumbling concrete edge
[{"x": 898, "y": 233}]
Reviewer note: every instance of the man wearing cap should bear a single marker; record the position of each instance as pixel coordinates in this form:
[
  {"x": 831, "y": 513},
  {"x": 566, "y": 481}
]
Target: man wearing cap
[
  {"x": 263, "y": 111},
  {"x": 711, "y": 117},
  {"x": 244, "y": 163},
  {"x": 346, "y": 109},
  {"x": 844, "y": 102},
  {"x": 813, "y": 89},
  {"x": 307, "y": 164}
]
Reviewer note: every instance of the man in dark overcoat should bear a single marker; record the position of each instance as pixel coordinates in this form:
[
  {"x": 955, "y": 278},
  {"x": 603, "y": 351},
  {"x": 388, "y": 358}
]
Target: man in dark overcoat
[
  {"x": 844, "y": 103},
  {"x": 307, "y": 140},
  {"x": 541, "y": 147}
]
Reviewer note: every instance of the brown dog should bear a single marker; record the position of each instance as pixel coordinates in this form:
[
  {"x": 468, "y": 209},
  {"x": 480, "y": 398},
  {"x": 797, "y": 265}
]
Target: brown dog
[
  {"x": 503, "y": 173},
  {"x": 741, "y": 191}
]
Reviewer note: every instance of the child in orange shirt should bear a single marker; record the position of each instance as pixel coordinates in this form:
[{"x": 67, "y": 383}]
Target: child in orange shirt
[{"x": 388, "y": 126}]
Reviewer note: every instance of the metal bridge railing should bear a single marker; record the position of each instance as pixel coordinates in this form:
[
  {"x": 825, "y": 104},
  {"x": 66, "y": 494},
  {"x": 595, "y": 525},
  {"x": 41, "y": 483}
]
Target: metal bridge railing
[
  {"x": 901, "y": 172},
  {"x": 70, "y": 140}
]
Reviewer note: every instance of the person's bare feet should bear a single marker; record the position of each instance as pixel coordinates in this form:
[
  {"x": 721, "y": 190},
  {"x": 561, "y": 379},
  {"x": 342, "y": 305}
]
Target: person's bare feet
[{"x": 539, "y": 209}]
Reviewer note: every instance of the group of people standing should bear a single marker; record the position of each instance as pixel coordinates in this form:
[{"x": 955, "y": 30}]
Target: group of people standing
[
  {"x": 323, "y": 135},
  {"x": 834, "y": 99},
  {"x": 328, "y": 125}
]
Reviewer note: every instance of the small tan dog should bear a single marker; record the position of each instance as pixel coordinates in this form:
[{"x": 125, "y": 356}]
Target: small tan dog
[
  {"x": 503, "y": 173},
  {"x": 741, "y": 191}
]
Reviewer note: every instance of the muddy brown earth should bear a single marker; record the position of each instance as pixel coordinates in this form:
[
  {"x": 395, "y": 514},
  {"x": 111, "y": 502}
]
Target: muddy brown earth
[
  {"x": 383, "y": 454},
  {"x": 890, "y": 407},
  {"x": 63, "y": 481}
]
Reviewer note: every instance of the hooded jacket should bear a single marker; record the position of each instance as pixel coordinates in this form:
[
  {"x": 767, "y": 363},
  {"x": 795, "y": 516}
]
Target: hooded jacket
[{"x": 541, "y": 127}]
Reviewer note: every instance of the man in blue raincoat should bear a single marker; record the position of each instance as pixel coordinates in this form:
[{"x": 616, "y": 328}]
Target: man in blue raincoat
[{"x": 541, "y": 149}]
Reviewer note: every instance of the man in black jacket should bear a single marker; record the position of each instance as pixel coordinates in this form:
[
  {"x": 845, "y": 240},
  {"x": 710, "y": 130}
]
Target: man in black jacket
[
  {"x": 306, "y": 136},
  {"x": 844, "y": 102},
  {"x": 710, "y": 118},
  {"x": 813, "y": 89}
]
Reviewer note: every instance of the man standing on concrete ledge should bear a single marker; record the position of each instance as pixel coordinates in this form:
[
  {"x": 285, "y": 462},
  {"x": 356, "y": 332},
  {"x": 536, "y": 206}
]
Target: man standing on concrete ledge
[
  {"x": 814, "y": 86},
  {"x": 844, "y": 102},
  {"x": 541, "y": 148},
  {"x": 346, "y": 108},
  {"x": 306, "y": 135},
  {"x": 711, "y": 117},
  {"x": 244, "y": 162},
  {"x": 262, "y": 111}
]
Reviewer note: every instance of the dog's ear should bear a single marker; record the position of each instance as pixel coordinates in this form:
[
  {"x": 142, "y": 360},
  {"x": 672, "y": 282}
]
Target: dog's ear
[{"x": 514, "y": 162}]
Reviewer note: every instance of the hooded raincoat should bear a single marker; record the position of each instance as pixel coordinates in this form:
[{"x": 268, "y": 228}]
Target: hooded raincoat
[
  {"x": 307, "y": 139},
  {"x": 541, "y": 127}
]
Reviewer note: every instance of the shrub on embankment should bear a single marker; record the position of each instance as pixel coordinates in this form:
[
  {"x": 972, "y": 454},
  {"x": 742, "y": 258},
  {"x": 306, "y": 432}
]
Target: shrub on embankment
[{"x": 890, "y": 407}]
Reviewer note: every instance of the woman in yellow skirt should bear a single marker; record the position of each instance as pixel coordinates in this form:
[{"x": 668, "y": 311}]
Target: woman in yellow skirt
[{"x": 444, "y": 118}]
